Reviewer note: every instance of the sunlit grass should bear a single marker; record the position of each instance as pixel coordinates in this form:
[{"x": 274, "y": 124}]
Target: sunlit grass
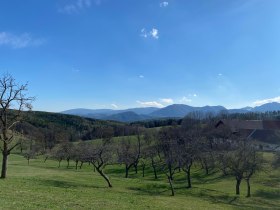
[{"x": 45, "y": 186}]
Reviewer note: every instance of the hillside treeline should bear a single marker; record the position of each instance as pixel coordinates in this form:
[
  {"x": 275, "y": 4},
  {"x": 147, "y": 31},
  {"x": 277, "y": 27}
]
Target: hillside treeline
[
  {"x": 204, "y": 117},
  {"x": 49, "y": 129}
]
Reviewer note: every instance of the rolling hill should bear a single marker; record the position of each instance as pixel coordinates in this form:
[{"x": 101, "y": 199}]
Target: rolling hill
[{"x": 172, "y": 111}]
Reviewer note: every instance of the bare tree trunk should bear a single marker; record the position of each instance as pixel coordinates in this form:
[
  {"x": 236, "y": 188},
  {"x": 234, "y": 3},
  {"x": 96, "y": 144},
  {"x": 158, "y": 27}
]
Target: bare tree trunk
[
  {"x": 81, "y": 164},
  {"x": 189, "y": 178},
  {"x": 189, "y": 174},
  {"x": 171, "y": 186},
  {"x": 143, "y": 170},
  {"x": 126, "y": 171},
  {"x": 59, "y": 163},
  {"x": 170, "y": 172},
  {"x": 248, "y": 187},
  {"x": 206, "y": 167},
  {"x": 77, "y": 162},
  {"x": 237, "y": 187},
  {"x": 104, "y": 176},
  {"x": 136, "y": 168},
  {"x": 4, "y": 161},
  {"x": 154, "y": 168},
  {"x": 68, "y": 161}
]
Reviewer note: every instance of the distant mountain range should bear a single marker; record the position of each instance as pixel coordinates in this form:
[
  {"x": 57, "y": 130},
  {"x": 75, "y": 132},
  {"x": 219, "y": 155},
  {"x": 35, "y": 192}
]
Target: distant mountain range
[{"x": 172, "y": 111}]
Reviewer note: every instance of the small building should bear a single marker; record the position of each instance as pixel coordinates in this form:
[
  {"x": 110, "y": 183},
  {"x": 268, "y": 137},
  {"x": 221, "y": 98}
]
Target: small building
[{"x": 266, "y": 132}]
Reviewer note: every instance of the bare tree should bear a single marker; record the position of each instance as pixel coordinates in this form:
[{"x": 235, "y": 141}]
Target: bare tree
[
  {"x": 151, "y": 149},
  {"x": 13, "y": 101},
  {"x": 100, "y": 155},
  {"x": 63, "y": 151},
  {"x": 168, "y": 143},
  {"x": 243, "y": 162},
  {"x": 31, "y": 153},
  {"x": 188, "y": 151},
  {"x": 79, "y": 153},
  {"x": 129, "y": 152}
]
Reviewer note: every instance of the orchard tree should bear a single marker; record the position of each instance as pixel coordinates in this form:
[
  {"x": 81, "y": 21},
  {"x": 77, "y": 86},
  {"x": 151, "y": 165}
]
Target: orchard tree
[
  {"x": 169, "y": 141},
  {"x": 151, "y": 149},
  {"x": 244, "y": 162},
  {"x": 13, "y": 101},
  {"x": 100, "y": 155},
  {"x": 129, "y": 152},
  {"x": 63, "y": 151}
]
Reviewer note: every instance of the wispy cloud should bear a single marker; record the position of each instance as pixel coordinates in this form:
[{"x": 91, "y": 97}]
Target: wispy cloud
[
  {"x": 150, "y": 104},
  {"x": 75, "y": 70},
  {"x": 114, "y": 106},
  {"x": 144, "y": 33},
  {"x": 153, "y": 33},
  {"x": 76, "y": 6},
  {"x": 265, "y": 101},
  {"x": 141, "y": 76},
  {"x": 163, "y": 4},
  {"x": 167, "y": 100},
  {"x": 184, "y": 99},
  {"x": 220, "y": 74},
  {"x": 193, "y": 95},
  {"x": 19, "y": 41}
]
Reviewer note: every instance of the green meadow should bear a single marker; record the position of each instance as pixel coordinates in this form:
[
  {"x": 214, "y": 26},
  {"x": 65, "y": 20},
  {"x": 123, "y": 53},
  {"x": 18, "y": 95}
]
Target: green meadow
[{"x": 45, "y": 186}]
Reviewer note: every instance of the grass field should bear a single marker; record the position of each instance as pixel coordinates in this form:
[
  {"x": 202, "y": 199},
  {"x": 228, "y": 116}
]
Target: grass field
[{"x": 44, "y": 186}]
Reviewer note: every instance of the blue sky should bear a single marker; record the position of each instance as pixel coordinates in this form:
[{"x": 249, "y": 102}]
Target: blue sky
[{"x": 134, "y": 53}]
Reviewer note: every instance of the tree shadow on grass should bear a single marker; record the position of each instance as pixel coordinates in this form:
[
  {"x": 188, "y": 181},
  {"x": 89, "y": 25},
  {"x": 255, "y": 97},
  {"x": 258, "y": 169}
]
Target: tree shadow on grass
[
  {"x": 212, "y": 196},
  {"x": 66, "y": 184},
  {"x": 120, "y": 172},
  {"x": 151, "y": 189},
  {"x": 268, "y": 194},
  {"x": 215, "y": 196}
]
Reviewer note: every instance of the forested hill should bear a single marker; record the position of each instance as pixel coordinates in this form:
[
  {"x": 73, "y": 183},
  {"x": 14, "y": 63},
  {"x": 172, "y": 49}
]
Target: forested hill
[{"x": 52, "y": 128}]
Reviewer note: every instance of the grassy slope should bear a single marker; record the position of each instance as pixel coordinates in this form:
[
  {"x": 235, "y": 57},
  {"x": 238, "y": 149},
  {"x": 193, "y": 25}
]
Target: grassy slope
[{"x": 44, "y": 186}]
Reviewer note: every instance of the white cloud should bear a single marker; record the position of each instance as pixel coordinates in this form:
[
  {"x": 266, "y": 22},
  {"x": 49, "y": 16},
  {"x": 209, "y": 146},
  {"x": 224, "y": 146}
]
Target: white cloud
[
  {"x": 184, "y": 99},
  {"x": 141, "y": 76},
  {"x": 167, "y": 100},
  {"x": 115, "y": 106},
  {"x": 19, "y": 41},
  {"x": 153, "y": 33},
  {"x": 163, "y": 4},
  {"x": 220, "y": 74},
  {"x": 265, "y": 101},
  {"x": 150, "y": 104},
  {"x": 76, "y": 6}
]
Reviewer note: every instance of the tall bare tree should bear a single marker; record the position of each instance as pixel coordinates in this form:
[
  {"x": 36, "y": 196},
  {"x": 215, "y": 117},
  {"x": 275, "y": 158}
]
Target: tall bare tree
[
  {"x": 169, "y": 141},
  {"x": 244, "y": 161},
  {"x": 13, "y": 101},
  {"x": 100, "y": 156}
]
